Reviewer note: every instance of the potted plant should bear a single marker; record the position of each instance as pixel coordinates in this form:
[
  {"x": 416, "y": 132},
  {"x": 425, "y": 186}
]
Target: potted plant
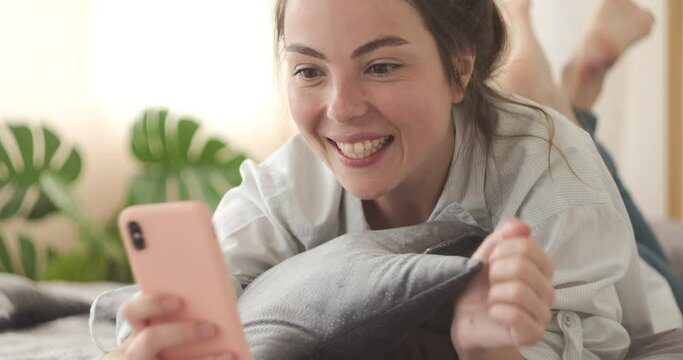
[{"x": 176, "y": 163}]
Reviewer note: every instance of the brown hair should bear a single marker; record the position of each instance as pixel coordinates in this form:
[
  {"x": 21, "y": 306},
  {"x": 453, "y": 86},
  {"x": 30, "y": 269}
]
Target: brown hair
[
  {"x": 459, "y": 26},
  {"x": 477, "y": 26}
]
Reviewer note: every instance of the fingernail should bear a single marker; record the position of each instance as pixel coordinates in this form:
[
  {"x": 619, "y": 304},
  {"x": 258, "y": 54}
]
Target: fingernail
[
  {"x": 170, "y": 304},
  {"x": 515, "y": 227},
  {"x": 206, "y": 330}
]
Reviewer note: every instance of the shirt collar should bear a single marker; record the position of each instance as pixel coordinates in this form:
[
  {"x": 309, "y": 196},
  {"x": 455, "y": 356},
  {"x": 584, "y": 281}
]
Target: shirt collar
[{"x": 462, "y": 198}]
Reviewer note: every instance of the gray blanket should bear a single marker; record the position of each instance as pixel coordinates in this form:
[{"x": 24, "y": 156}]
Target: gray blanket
[
  {"x": 65, "y": 338},
  {"x": 68, "y": 337},
  {"x": 44, "y": 321}
]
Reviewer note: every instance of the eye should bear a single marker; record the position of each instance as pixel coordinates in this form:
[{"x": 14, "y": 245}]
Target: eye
[
  {"x": 308, "y": 73},
  {"x": 383, "y": 68}
]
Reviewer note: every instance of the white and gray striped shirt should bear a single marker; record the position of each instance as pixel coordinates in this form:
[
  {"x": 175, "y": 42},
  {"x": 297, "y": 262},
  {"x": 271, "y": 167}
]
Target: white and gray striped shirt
[{"x": 292, "y": 202}]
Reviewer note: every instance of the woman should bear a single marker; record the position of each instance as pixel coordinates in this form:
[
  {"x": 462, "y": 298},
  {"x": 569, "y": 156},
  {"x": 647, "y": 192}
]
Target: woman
[{"x": 399, "y": 126}]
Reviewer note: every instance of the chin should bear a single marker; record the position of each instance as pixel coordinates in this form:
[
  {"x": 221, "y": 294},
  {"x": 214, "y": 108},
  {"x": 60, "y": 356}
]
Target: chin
[{"x": 365, "y": 191}]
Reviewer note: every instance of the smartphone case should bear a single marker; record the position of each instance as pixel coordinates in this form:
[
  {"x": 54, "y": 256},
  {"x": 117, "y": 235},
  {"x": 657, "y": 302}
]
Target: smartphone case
[{"x": 181, "y": 256}]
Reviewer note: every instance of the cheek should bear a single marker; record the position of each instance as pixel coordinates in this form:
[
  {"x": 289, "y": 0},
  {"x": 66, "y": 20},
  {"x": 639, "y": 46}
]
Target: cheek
[
  {"x": 417, "y": 109},
  {"x": 303, "y": 108}
]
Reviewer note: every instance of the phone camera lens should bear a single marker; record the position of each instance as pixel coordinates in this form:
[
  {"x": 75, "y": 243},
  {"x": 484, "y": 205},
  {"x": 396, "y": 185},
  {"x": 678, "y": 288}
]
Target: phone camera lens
[{"x": 136, "y": 234}]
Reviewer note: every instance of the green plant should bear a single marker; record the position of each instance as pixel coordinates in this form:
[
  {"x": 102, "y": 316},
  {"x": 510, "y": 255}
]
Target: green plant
[
  {"x": 176, "y": 163},
  {"x": 27, "y": 255},
  {"x": 23, "y": 176},
  {"x": 28, "y": 158}
]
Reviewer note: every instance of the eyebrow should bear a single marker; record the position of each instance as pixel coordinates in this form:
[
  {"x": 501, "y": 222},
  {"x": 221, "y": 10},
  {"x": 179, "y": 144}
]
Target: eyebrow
[
  {"x": 305, "y": 50},
  {"x": 373, "y": 45}
]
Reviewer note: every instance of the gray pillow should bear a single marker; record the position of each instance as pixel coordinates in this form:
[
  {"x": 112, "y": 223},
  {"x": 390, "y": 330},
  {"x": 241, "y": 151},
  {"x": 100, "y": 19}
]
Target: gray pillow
[
  {"x": 359, "y": 295},
  {"x": 23, "y": 304}
]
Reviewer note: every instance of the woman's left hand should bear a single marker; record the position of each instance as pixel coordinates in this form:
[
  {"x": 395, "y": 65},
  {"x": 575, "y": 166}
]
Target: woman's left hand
[{"x": 507, "y": 304}]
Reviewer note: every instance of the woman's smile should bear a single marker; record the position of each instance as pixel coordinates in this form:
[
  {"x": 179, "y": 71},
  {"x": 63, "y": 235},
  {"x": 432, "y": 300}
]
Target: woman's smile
[{"x": 363, "y": 151}]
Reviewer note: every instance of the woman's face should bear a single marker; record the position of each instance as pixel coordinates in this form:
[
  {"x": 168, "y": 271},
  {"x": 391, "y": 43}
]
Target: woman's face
[{"x": 369, "y": 93}]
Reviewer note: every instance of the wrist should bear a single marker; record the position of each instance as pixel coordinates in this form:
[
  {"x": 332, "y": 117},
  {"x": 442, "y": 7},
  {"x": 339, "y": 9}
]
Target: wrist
[{"x": 508, "y": 353}]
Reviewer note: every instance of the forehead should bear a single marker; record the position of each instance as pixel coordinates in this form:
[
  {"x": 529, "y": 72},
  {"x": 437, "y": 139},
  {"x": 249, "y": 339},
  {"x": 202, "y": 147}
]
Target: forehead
[{"x": 323, "y": 23}]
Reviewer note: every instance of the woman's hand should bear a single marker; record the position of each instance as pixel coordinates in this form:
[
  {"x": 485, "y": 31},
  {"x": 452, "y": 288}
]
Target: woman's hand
[
  {"x": 507, "y": 304},
  {"x": 149, "y": 341}
]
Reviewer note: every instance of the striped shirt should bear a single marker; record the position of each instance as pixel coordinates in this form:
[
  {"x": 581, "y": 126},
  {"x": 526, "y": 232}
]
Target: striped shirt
[{"x": 292, "y": 202}]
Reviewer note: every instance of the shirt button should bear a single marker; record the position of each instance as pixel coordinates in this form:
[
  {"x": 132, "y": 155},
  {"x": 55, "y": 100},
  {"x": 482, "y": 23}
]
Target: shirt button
[{"x": 567, "y": 319}]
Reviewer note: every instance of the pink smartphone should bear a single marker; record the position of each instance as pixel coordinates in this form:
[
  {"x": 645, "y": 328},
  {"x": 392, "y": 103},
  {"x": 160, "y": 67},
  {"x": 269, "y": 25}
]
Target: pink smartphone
[{"x": 173, "y": 249}]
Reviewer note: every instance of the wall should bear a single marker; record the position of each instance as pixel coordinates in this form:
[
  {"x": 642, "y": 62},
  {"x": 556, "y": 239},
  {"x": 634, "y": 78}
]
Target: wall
[
  {"x": 632, "y": 110},
  {"x": 87, "y": 68},
  {"x": 675, "y": 99},
  {"x": 43, "y": 63}
]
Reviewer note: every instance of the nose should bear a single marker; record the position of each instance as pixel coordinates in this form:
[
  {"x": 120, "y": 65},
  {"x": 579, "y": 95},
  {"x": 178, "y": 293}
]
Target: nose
[{"x": 347, "y": 101}]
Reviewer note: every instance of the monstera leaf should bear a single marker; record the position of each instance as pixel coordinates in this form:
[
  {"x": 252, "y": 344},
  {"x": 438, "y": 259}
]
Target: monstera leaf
[
  {"x": 27, "y": 155},
  {"x": 178, "y": 163},
  {"x": 94, "y": 237},
  {"x": 27, "y": 257}
]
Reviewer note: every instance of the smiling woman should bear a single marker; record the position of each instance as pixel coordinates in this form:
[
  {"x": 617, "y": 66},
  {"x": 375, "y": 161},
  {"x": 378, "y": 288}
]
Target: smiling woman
[{"x": 399, "y": 125}]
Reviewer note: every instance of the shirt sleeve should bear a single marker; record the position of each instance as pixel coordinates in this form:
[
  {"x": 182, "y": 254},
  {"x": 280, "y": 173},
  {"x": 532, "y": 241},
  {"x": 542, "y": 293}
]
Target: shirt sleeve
[
  {"x": 289, "y": 203},
  {"x": 252, "y": 230},
  {"x": 105, "y": 308},
  {"x": 599, "y": 297}
]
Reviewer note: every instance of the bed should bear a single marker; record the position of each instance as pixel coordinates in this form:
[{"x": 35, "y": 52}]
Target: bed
[
  {"x": 68, "y": 337},
  {"x": 65, "y": 337}
]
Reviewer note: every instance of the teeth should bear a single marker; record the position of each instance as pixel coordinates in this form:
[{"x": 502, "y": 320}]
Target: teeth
[{"x": 362, "y": 149}]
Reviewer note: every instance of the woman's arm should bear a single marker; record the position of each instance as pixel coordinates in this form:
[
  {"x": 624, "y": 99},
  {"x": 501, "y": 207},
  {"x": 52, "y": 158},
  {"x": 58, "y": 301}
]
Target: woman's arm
[
  {"x": 507, "y": 304},
  {"x": 599, "y": 299}
]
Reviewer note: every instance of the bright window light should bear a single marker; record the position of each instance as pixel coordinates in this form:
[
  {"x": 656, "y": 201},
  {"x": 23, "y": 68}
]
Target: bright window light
[{"x": 212, "y": 58}]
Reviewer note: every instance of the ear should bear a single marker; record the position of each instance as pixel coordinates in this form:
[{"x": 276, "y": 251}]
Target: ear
[{"x": 464, "y": 64}]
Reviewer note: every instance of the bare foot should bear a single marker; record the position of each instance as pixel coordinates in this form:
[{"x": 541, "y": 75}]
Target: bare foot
[
  {"x": 615, "y": 26},
  {"x": 526, "y": 71}
]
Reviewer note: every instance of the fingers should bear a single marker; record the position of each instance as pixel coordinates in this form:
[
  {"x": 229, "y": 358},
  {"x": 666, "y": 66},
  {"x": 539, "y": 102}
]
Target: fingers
[
  {"x": 520, "y": 271},
  {"x": 515, "y": 227},
  {"x": 511, "y": 228},
  {"x": 523, "y": 329},
  {"x": 520, "y": 276},
  {"x": 521, "y": 296},
  {"x": 142, "y": 308},
  {"x": 149, "y": 338},
  {"x": 150, "y": 341},
  {"x": 527, "y": 247}
]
